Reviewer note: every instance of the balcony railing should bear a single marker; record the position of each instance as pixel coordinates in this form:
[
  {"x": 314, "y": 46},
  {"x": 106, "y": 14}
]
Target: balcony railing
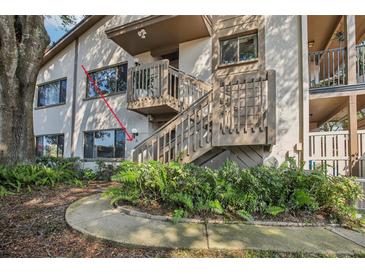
[
  {"x": 158, "y": 87},
  {"x": 328, "y": 68},
  {"x": 360, "y": 63}
]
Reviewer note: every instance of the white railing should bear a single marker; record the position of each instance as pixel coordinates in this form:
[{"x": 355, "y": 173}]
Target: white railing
[
  {"x": 327, "y": 68},
  {"x": 360, "y": 63},
  {"x": 329, "y": 150}
]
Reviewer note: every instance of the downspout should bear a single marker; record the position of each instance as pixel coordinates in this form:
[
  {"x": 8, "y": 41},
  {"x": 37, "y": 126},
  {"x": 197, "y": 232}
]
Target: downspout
[
  {"x": 76, "y": 55},
  {"x": 303, "y": 83}
]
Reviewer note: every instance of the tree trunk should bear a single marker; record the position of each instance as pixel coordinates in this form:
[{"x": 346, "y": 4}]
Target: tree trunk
[{"x": 23, "y": 41}]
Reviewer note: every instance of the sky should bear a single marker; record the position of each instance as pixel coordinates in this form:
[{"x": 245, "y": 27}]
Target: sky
[{"x": 54, "y": 27}]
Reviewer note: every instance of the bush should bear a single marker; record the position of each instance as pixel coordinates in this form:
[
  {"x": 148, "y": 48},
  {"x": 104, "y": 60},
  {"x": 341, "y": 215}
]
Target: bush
[{"x": 189, "y": 189}]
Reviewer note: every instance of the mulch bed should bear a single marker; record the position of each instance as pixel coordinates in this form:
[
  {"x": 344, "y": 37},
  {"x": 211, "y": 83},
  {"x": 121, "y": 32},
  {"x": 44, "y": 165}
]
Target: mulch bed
[{"x": 33, "y": 225}]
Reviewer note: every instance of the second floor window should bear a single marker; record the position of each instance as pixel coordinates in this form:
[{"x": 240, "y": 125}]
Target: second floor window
[
  {"x": 109, "y": 80},
  {"x": 52, "y": 93},
  {"x": 238, "y": 49},
  {"x": 50, "y": 145},
  {"x": 104, "y": 144}
]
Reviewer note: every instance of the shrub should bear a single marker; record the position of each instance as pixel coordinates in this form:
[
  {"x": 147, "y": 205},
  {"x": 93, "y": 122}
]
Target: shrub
[{"x": 189, "y": 189}]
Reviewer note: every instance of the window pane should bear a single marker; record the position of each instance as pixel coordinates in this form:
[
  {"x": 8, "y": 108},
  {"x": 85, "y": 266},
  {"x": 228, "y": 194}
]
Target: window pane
[
  {"x": 248, "y": 47},
  {"x": 119, "y": 144},
  {"x": 39, "y": 146},
  {"x": 229, "y": 51},
  {"x": 41, "y": 96},
  {"x": 50, "y": 146},
  {"x": 105, "y": 80},
  {"x": 63, "y": 87},
  {"x": 52, "y": 93},
  {"x": 122, "y": 77},
  {"x": 104, "y": 143},
  {"x": 88, "y": 145},
  {"x": 61, "y": 140}
]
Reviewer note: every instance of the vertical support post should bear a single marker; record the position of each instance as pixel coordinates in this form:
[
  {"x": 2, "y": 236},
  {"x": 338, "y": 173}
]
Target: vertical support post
[
  {"x": 351, "y": 48},
  {"x": 353, "y": 148}
]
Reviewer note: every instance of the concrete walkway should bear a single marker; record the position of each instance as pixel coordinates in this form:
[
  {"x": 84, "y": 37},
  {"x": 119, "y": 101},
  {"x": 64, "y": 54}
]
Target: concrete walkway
[{"x": 95, "y": 216}]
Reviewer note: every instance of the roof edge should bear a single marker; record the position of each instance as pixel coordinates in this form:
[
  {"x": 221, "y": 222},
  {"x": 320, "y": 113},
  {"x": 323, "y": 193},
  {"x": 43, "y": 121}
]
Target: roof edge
[{"x": 70, "y": 36}]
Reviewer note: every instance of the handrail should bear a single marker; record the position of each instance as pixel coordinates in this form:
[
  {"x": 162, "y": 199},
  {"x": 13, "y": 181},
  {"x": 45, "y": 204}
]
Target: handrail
[
  {"x": 177, "y": 116},
  {"x": 184, "y": 137},
  {"x": 328, "y": 67}
]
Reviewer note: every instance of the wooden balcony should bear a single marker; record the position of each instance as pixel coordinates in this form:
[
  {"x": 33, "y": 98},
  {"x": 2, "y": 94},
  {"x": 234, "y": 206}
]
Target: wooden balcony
[{"x": 158, "y": 89}]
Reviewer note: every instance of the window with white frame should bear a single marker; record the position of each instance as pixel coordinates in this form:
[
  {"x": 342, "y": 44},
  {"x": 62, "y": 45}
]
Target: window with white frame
[{"x": 238, "y": 49}]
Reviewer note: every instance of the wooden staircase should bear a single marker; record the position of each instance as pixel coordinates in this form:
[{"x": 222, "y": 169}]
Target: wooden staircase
[{"x": 239, "y": 112}]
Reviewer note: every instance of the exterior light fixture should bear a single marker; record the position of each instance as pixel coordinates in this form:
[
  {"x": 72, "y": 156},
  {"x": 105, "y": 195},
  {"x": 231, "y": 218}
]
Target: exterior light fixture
[{"x": 142, "y": 33}]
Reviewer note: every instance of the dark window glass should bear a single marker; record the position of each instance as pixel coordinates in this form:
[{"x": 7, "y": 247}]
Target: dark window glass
[
  {"x": 39, "y": 146},
  {"x": 248, "y": 47},
  {"x": 89, "y": 145},
  {"x": 122, "y": 78},
  {"x": 60, "y": 145},
  {"x": 52, "y": 93},
  {"x": 50, "y": 145},
  {"x": 229, "y": 51},
  {"x": 63, "y": 87},
  {"x": 243, "y": 48},
  {"x": 119, "y": 144},
  {"x": 104, "y": 144},
  {"x": 108, "y": 80}
]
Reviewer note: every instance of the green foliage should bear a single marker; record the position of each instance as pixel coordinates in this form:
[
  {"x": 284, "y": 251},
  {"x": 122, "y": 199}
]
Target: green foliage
[
  {"x": 105, "y": 171},
  {"x": 46, "y": 172},
  {"x": 190, "y": 189},
  {"x": 178, "y": 215},
  {"x": 245, "y": 215},
  {"x": 274, "y": 210}
]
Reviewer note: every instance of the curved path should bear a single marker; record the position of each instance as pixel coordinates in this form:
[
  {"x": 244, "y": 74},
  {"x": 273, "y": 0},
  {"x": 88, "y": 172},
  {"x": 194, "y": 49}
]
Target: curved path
[{"x": 95, "y": 216}]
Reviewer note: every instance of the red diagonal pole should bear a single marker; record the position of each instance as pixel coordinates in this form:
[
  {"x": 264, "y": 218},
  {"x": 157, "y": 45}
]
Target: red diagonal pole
[{"x": 129, "y": 137}]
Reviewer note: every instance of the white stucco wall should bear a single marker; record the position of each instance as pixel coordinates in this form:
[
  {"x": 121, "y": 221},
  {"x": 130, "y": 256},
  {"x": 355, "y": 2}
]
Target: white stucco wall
[
  {"x": 281, "y": 55},
  {"x": 56, "y": 119},
  {"x": 195, "y": 58}
]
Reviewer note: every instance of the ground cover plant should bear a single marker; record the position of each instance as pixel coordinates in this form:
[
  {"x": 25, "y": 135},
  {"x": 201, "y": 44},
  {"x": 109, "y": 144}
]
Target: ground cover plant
[
  {"x": 50, "y": 171},
  {"x": 233, "y": 192}
]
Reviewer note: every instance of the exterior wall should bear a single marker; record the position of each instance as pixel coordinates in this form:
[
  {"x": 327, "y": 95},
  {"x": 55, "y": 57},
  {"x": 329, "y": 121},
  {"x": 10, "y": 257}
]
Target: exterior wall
[
  {"x": 195, "y": 58},
  {"x": 97, "y": 51},
  {"x": 56, "y": 119},
  {"x": 282, "y": 55}
]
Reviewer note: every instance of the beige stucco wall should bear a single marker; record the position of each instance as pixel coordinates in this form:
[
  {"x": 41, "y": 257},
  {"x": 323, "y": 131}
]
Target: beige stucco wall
[
  {"x": 95, "y": 51},
  {"x": 281, "y": 55},
  {"x": 195, "y": 58},
  {"x": 56, "y": 119}
]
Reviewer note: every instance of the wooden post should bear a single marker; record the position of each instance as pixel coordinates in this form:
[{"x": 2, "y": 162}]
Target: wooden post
[
  {"x": 353, "y": 148},
  {"x": 351, "y": 49}
]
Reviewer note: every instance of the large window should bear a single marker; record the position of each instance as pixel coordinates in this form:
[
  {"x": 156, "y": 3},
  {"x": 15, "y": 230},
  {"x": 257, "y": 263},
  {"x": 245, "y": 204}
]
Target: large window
[
  {"x": 50, "y": 145},
  {"x": 239, "y": 49},
  {"x": 104, "y": 144},
  {"x": 110, "y": 80},
  {"x": 52, "y": 93}
]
